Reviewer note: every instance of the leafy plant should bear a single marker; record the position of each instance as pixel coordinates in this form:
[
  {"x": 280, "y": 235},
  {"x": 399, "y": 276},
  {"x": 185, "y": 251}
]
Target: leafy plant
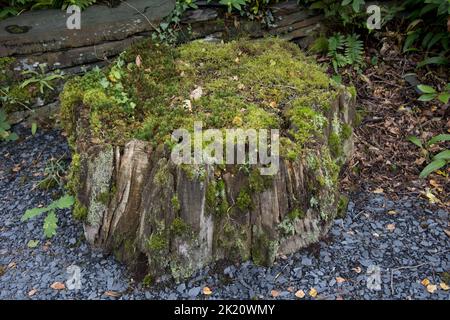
[
  {"x": 345, "y": 50},
  {"x": 437, "y": 161},
  {"x": 51, "y": 220},
  {"x": 5, "y": 133},
  {"x": 429, "y": 93},
  {"x": 42, "y": 79},
  {"x": 54, "y": 174}
]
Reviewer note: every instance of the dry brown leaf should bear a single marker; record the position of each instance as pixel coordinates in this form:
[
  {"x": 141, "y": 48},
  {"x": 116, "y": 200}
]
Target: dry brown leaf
[
  {"x": 340, "y": 279},
  {"x": 207, "y": 291},
  {"x": 425, "y": 282},
  {"x": 357, "y": 269},
  {"x": 290, "y": 289},
  {"x": 138, "y": 61},
  {"x": 378, "y": 190},
  {"x": 444, "y": 286},
  {"x": 300, "y": 294},
  {"x": 447, "y": 232},
  {"x": 275, "y": 293},
  {"x": 11, "y": 265},
  {"x": 113, "y": 294},
  {"x": 431, "y": 288},
  {"x": 313, "y": 292},
  {"x": 391, "y": 227},
  {"x": 32, "y": 292},
  {"x": 197, "y": 93},
  {"x": 58, "y": 286}
]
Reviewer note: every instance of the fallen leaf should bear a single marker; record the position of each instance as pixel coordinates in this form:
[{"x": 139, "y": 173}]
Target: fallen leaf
[
  {"x": 340, "y": 279},
  {"x": 113, "y": 294},
  {"x": 58, "y": 286},
  {"x": 290, "y": 289},
  {"x": 313, "y": 292},
  {"x": 138, "y": 61},
  {"x": 187, "y": 105},
  {"x": 275, "y": 293},
  {"x": 431, "y": 288},
  {"x": 431, "y": 197},
  {"x": 300, "y": 294},
  {"x": 273, "y": 104},
  {"x": 425, "y": 282},
  {"x": 196, "y": 93},
  {"x": 207, "y": 291},
  {"x": 32, "y": 244},
  {"x": 32, "y": 292},
  {"x": 444, "y": 286},
  {"x": 447, "y": 232},
  {"x": 378, "y": 190},
  {"x": 392, "y": 212},
  {"x": 391, "y": 227},
  {"x": 11, "y": 265},
  {"x": 357, "y": 269}
]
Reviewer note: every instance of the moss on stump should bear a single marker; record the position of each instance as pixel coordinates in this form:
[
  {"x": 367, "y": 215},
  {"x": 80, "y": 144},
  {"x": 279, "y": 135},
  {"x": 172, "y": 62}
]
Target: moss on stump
[{"x": 177, "y": 218}]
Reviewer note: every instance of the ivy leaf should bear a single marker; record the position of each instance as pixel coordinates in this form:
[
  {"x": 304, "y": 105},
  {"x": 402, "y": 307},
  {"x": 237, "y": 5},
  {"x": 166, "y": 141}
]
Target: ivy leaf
[{"x": 50, "y": 224}]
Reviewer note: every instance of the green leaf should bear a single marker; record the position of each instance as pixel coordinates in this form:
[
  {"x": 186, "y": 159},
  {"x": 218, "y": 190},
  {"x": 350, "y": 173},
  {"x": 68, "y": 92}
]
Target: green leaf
[
  {"x": 426, "y": 89},
  {"x": 415, "y": 140},
  {"x": 12, "y": 137},
  {"x": 33, "y": 128},
  {"x": 444, "y": 97},
  {"x": 443, "y": 155},
  {"x": 31, "y": 213},
  {"x": 433, "y": 60},
  {"x": 438, "y": 138},
  {"x": 433, "y": 166},
  {"x": 32, "y": 244},
  {"x": 427, "y": 97},
  {"x": 50, "y": 224},
  {"x": 63, "y": 202}
]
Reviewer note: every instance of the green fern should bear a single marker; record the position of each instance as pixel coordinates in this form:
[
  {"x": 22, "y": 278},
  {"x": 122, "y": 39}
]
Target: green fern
[
  {"x": 345, "y": 50},
  {"x": 354, "y": 50}
]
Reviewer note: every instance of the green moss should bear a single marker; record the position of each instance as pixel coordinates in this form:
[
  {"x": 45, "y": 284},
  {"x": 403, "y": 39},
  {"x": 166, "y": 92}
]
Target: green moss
[
  {"x": 216, "y": 197},
  {"x": 147, "y": 281},
  {"x": 296, "y": 214},
  {"x": 335, "y": 143},
  {"x": 266, "y": 83},
  {"x": 175, "y": 203},
  {"x": 104, "y": 197},
  {"x": 346, "y": 131},
  {"x": 157, "y": 242},
  {"x": 264, "y": 249},
  {"x": 244, "y": 201},
  {"x": 258, "y": 182},
  {"x": 80, "y": 211},
  {"x": 342, "y": 207},
  {"x": 445, "y": 277},
  {"x": 179, "y": 227}
]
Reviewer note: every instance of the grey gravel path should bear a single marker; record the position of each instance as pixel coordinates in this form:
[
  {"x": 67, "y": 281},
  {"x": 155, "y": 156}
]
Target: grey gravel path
[{"x": 415, "y": 249}]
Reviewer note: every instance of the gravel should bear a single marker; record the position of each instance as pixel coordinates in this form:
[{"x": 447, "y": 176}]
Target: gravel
[{"x": 337, "y": 267}]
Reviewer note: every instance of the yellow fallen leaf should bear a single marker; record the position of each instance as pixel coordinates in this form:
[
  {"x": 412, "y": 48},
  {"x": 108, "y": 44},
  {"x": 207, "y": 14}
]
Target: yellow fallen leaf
[
  {"x": 340, "y": 279},
  {"x": 444, "y": 286},
  {"x": 391, "y": 227},
  {"x": 300, "y": 294},
  {"x": 430, "y": 196},
  {"x": 431, "y": 288},
  {"x": 207, "y": 291},
  {"x": 425, "y": 282},
  {"x": 273, "y": 104},
  {"x": 275, "y": 293},
  {"x": 113, "y": 294},
  {"x": 378, "y": 190},
  {"x": 313, "y": 292},
  {"x": 58, "y": 286},
  {"x": 392, "y": 212},
  {"x": 32, "y": 292}
]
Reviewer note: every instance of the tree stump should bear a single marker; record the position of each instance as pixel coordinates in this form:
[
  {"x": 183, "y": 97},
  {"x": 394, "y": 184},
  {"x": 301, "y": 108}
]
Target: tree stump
[{"x": 165, "y": 218}]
